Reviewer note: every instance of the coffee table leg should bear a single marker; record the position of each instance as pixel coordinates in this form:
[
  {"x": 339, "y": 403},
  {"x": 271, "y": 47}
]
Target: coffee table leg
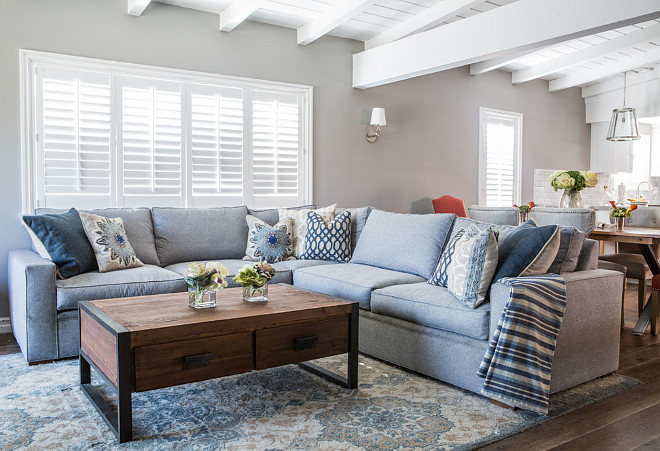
[
  {"x": 352, "y": 380},
  {"x": 121, "y": 422}
]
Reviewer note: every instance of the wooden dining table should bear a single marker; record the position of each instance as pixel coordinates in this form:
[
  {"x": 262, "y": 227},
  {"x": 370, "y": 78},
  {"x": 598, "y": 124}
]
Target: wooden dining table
[{"x": 645, "y": 238}]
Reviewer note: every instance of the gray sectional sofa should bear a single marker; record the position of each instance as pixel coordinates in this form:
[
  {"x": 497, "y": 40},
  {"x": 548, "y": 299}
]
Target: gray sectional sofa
[{"x": 403, "y": 319}]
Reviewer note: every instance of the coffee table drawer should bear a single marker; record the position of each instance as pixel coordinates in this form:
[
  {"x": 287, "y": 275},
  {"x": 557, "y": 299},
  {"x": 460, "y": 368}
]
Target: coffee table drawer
[
  {"x": 298, "y": 343},
  {"x": 180, "y": 362}
]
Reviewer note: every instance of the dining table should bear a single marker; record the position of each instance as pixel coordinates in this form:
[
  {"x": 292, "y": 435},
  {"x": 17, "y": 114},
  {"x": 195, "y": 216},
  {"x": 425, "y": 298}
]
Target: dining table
[{"x": 645, "y": 238}]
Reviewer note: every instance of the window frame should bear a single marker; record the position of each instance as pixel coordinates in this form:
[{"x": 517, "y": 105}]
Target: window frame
[
  {"x": 31, "y": 61},
  {"x": 484, "y": 114}
]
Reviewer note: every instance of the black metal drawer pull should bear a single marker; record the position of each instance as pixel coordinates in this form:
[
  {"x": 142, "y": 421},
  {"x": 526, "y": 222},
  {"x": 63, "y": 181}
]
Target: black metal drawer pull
[
  {"x": 305, "y": 343},
  {"x": 196, "y": 361}
]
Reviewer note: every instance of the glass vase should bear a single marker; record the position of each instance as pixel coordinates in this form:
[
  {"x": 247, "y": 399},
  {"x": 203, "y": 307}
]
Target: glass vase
[
  {"x": 522, "y": 217},
  {"x": 620, "y": 223},
  {"x": 255, "y": 294},
  {"x": 198, "y": 297},
  {"x": 570, "y": 199}
]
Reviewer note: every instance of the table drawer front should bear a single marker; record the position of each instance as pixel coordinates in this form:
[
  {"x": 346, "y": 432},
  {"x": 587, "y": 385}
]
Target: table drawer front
[
  {"x": 181, "y": 362},
  {"x": 292, "y": 344}
]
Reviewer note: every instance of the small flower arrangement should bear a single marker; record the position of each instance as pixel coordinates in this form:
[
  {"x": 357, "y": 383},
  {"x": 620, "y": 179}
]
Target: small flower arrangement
[
  {"x": 203, "y": 280},
  {"x": 622, "y": 212},
  {"x": 573, "y": 180},
  {"x": 255, "y": 275},
  {"x": 254, "y": 280},
  {"x": 525, "y": 209}
]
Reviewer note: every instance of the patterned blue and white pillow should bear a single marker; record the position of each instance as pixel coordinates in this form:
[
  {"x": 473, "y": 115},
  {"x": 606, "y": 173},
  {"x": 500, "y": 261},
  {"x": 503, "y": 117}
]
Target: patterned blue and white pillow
[
  {"x": 328, "y": 241},
  {"x": 110, "y": 243},
  {"x": 269, "y": 243},
  {"x": 472, "y": 266},
  {"x": 439, "y": 277}
]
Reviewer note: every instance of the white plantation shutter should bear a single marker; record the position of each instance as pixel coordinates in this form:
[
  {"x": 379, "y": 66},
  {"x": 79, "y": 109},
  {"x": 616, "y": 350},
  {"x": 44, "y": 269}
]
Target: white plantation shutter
[
  {"x": 216, "y": 145},
  {"x": 75, "y": 139},
  {"x": 105, "y": 134},
  {"x": 499, "y": 158},
  {"x": 151, "y": 139},
  {"x": 276, "y": 146}
]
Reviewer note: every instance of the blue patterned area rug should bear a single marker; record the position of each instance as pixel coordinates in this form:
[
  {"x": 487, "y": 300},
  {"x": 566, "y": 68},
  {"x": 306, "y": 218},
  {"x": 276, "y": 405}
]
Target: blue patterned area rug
[{"x": 41, "y": 407}]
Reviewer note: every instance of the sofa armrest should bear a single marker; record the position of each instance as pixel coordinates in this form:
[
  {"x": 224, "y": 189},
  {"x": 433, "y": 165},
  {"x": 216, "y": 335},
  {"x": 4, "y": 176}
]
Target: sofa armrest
[
  {"x": 33, "y": 304},
  {"x": 589, "y": 338}
]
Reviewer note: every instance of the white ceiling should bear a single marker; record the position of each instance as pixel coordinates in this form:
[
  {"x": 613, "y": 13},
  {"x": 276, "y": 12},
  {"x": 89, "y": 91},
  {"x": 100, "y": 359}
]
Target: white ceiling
[{"x": 581, "y": 61}]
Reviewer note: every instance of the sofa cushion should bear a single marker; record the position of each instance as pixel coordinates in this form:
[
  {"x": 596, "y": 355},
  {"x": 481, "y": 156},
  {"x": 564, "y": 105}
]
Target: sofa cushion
[
  {"x": 112, "y": 248},
  {"x": 147, "y": 279},
  {"x": 358, "y": 220},
  {"x": 282, "y": 274},
  {"x": 295, "y": 264},
  {"x": 61, "y": 239},
  {"x": 328, "y": 240},
  {"x": 138, "y": 225},
  {"x": 432, "y": 306},
  {"x": 570, "y": 247},
  {"x": 403, "y": 242},
  {"x": 186, "y": 234},
  {"x": 350, "y": 281}
]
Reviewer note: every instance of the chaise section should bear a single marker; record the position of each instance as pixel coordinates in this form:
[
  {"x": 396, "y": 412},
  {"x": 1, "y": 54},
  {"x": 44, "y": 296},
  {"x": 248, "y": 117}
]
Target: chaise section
[
  {"x": 142, "y": 281},
  {"x": 432, "y": 306},
  {"x": 350, "y": 280}
]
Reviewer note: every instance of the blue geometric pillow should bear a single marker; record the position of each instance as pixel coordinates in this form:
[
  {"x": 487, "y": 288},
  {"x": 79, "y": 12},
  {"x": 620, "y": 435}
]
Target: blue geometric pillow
[
  {"x": 269, "y": 243},
  {"x": 439, "y": 277},
  {"x": 61, "y": 238},
  {"x": 328, "y": 241}
]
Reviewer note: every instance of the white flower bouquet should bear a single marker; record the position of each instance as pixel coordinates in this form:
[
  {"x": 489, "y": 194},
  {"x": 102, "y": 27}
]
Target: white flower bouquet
[{"x": 573, "y": 180}]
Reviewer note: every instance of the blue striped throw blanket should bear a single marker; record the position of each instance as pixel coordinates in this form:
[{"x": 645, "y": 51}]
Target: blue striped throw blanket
[{"x": 517, "y": 364}]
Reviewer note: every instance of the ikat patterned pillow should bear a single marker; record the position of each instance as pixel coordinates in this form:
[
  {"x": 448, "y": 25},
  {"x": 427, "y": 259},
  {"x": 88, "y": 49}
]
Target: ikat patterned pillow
[
  {"x": 108, "y": 239},
  {"x": 472, "y": 266},
  {"x": 300, "y": 224},
  {"x": 269, "y": 243},
  {"x": 328, "y": 241},
  {"x": 439, "y": 277}
]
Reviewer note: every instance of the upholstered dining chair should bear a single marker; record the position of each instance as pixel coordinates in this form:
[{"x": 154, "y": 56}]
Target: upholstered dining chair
[
  {"x": 494, "y": 215},
  {"x": 581, "y": 218},
  {"x": 629, "y": 256},
  {"x": 449, "y": 204}
]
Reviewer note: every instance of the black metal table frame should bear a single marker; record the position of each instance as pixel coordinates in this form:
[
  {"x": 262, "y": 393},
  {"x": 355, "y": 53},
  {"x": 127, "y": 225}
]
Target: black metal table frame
[
  {"x": 121, "y": 422},
  {"x": 645, "y": 316}
]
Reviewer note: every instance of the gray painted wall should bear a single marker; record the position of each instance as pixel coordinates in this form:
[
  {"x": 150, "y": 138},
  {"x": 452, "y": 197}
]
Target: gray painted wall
[{"x": 428, "y": 148}]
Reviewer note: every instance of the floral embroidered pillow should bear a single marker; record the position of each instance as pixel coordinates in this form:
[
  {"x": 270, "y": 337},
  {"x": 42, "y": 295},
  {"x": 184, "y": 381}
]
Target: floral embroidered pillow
[
  {"x": 269, "y": 243},
  {"x": 108, "y": 239}
]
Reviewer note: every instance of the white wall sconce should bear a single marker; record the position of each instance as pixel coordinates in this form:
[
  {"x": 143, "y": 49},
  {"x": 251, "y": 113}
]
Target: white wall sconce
[{"x": 377, "y": 119}]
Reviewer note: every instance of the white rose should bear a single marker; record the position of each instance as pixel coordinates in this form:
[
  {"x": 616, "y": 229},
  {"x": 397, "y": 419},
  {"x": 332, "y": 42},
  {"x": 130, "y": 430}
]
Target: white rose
[
  {"x": 555, "y": 174},
  {"x": 590, "y": 178},
  {"x": 564, "y": 181}
]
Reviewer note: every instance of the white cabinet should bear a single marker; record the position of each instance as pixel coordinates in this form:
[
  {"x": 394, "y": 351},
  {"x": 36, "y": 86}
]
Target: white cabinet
[{"x": 607, "y": 156}]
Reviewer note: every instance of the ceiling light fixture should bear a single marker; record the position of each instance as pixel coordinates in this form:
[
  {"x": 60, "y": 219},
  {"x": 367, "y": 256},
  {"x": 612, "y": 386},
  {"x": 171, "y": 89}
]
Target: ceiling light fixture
[{"x": 623, "y": 125}]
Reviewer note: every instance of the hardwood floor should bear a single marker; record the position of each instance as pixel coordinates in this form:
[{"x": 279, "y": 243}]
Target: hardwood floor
[{"x": 629, "y": 420}]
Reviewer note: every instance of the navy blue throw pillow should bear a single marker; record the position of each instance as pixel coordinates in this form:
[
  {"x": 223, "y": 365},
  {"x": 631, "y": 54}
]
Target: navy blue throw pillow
[
  {"x": 63, "y": 238},
  {"x": 528, "y": 250}
]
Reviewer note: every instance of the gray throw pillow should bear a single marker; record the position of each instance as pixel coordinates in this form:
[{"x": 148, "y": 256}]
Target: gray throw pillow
[{"x": 570, "y": 246}]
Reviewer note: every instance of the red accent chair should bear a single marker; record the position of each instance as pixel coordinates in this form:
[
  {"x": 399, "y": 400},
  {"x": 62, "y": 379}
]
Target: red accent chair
[{"x": 449, "y": 204}]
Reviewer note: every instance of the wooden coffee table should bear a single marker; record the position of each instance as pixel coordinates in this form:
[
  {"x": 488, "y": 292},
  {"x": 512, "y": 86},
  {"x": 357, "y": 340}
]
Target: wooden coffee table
[{"x": 147, "y": 342}]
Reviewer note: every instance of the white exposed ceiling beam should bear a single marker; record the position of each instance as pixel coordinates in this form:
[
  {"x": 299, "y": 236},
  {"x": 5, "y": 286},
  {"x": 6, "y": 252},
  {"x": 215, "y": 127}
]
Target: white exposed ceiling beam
[
  {"x": 617, "y": 84},
  {"x": 495, "y": 63},
  {"x": 490, "y": 34},
  {"x": 237, "y": 12},
  {"x": 425, "y": 20},
  {"x": 137, "y": 7},
  {"x": 331, "y": 19},
  {"x": 606, "y": 70},
  {"x": 587, "y": 54}
]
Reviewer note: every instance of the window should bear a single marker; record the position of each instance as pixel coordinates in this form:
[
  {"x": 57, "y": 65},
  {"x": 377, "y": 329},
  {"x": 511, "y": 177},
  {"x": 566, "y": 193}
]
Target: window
[
  {"x": 106, "y": 134},
  {"x": 500, "y": 140}
]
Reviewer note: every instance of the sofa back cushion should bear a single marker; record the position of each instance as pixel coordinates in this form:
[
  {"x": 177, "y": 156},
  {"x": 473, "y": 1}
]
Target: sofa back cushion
[
  {"x": 188, "y": 234},
  {"x": 358, "y": 220},
  {"x": 403, "y": 242},
  {"x": 138, "y": 226}
]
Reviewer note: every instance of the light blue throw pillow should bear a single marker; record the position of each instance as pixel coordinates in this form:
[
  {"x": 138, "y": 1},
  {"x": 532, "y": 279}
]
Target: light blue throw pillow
[
  {"x": 328, "y": 241},
  {"x": 439, "y": 277}
]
